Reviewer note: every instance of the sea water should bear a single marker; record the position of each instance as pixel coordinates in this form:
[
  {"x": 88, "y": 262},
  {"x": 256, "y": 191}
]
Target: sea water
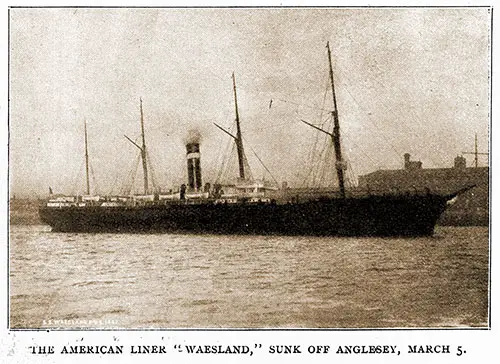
[{"x": 60, "y": 280}]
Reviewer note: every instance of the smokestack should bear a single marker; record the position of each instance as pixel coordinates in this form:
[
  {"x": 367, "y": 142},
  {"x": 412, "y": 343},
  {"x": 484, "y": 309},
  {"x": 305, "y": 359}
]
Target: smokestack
[{"x": 193, "y": 166}]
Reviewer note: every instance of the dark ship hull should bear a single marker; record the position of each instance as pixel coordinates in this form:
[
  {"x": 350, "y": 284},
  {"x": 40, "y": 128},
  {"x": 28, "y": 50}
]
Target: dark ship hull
[{"x": 405, "y": 215}]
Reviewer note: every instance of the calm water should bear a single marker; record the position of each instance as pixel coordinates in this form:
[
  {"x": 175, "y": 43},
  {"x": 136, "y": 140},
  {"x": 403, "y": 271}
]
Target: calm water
[{"x": 211, "y": 281}]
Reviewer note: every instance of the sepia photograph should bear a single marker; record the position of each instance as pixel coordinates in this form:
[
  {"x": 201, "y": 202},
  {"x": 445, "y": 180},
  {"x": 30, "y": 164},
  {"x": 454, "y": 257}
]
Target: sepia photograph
[{"x": 249, "y": 168}]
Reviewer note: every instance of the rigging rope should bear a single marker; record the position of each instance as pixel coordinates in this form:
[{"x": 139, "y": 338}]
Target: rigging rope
[
  {"x": 320, "y": 156},
  {"x": 415, "y": 120},
  {"x": 371, "y": 121},
  {"x": 151, "y": 170},
  {"x": 231, "y": 147},
  {"x": 301, "y": 104},
  {"x": 127, "y": 187},
  {"x": 268, "y": 171},
  {"x": 77, "y": 181},
  {"x": 96, "y": 187},
  {"x": 113, "y": 185}
]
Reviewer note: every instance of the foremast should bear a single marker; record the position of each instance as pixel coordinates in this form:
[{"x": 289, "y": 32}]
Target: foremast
[
  {"x": 143, "y": 153},
  {"x": 86, "y": 158}
]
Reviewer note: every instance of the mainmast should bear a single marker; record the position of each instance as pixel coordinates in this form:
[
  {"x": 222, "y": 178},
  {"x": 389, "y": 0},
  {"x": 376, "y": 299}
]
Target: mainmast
[
  {"x": 238, "y": 139},
  {"x": 339, "y": 165},
  {"x": 86, "y": 157},
  {"x": 143, "y": 153}
]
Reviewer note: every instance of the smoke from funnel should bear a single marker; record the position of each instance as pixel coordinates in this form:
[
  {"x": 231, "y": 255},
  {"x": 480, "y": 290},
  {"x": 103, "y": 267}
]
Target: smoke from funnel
[{"x": 193, "y": 137}]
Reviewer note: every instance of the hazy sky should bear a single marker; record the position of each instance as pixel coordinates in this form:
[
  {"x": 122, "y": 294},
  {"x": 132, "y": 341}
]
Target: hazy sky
[{"x": 407, "y": 80}]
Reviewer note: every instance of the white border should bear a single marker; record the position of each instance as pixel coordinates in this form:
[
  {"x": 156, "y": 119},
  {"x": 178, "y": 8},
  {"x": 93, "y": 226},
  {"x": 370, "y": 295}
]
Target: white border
[{"x": 480, "y": 345}]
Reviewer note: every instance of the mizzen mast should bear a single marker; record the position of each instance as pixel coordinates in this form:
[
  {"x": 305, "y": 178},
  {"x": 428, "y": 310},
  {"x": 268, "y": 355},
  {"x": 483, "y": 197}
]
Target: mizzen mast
[
  {"x": 86, "y": 157},
  {"x": 339, "y": 165}
]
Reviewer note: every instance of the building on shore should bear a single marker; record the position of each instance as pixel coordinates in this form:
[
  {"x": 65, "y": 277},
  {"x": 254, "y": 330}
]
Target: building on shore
[{"x": 470, "y": 208}]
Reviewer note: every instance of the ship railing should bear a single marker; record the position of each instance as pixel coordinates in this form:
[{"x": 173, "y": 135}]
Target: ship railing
[
  {"x": 259, "y": 200},
  {"x": 242, "y": 199},
  {"x": 91, "y": 198},
  {"x": 220, "y": 201},
  {"x": 111, "y": 204},
  {"x": 175, "y": 196},
  {"x": 241, "y": 194},
  {"x": 60, "y": 204},
  {"x": 62, "y": 199},
  {"x": 143, "y": 197},
  {"x": 196, "y": 195}
]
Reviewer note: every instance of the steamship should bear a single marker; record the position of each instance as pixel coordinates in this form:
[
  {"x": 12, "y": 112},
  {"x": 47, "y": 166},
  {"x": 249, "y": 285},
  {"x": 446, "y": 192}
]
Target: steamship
[{"x": 249, "y": 206}]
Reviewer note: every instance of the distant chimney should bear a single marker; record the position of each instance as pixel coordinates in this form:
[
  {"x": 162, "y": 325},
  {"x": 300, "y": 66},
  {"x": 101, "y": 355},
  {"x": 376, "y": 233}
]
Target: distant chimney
[
  {"x": 460, "y": 162},
  {"x": 407, "y": 160},
  {"x": 193, "y": 166},
  {"x": 411, "y": 165}
]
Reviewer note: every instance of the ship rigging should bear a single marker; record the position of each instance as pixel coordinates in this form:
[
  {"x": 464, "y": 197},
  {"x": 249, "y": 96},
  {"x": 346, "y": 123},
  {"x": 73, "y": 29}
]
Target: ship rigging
[{"x": 250, "y": 206}]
